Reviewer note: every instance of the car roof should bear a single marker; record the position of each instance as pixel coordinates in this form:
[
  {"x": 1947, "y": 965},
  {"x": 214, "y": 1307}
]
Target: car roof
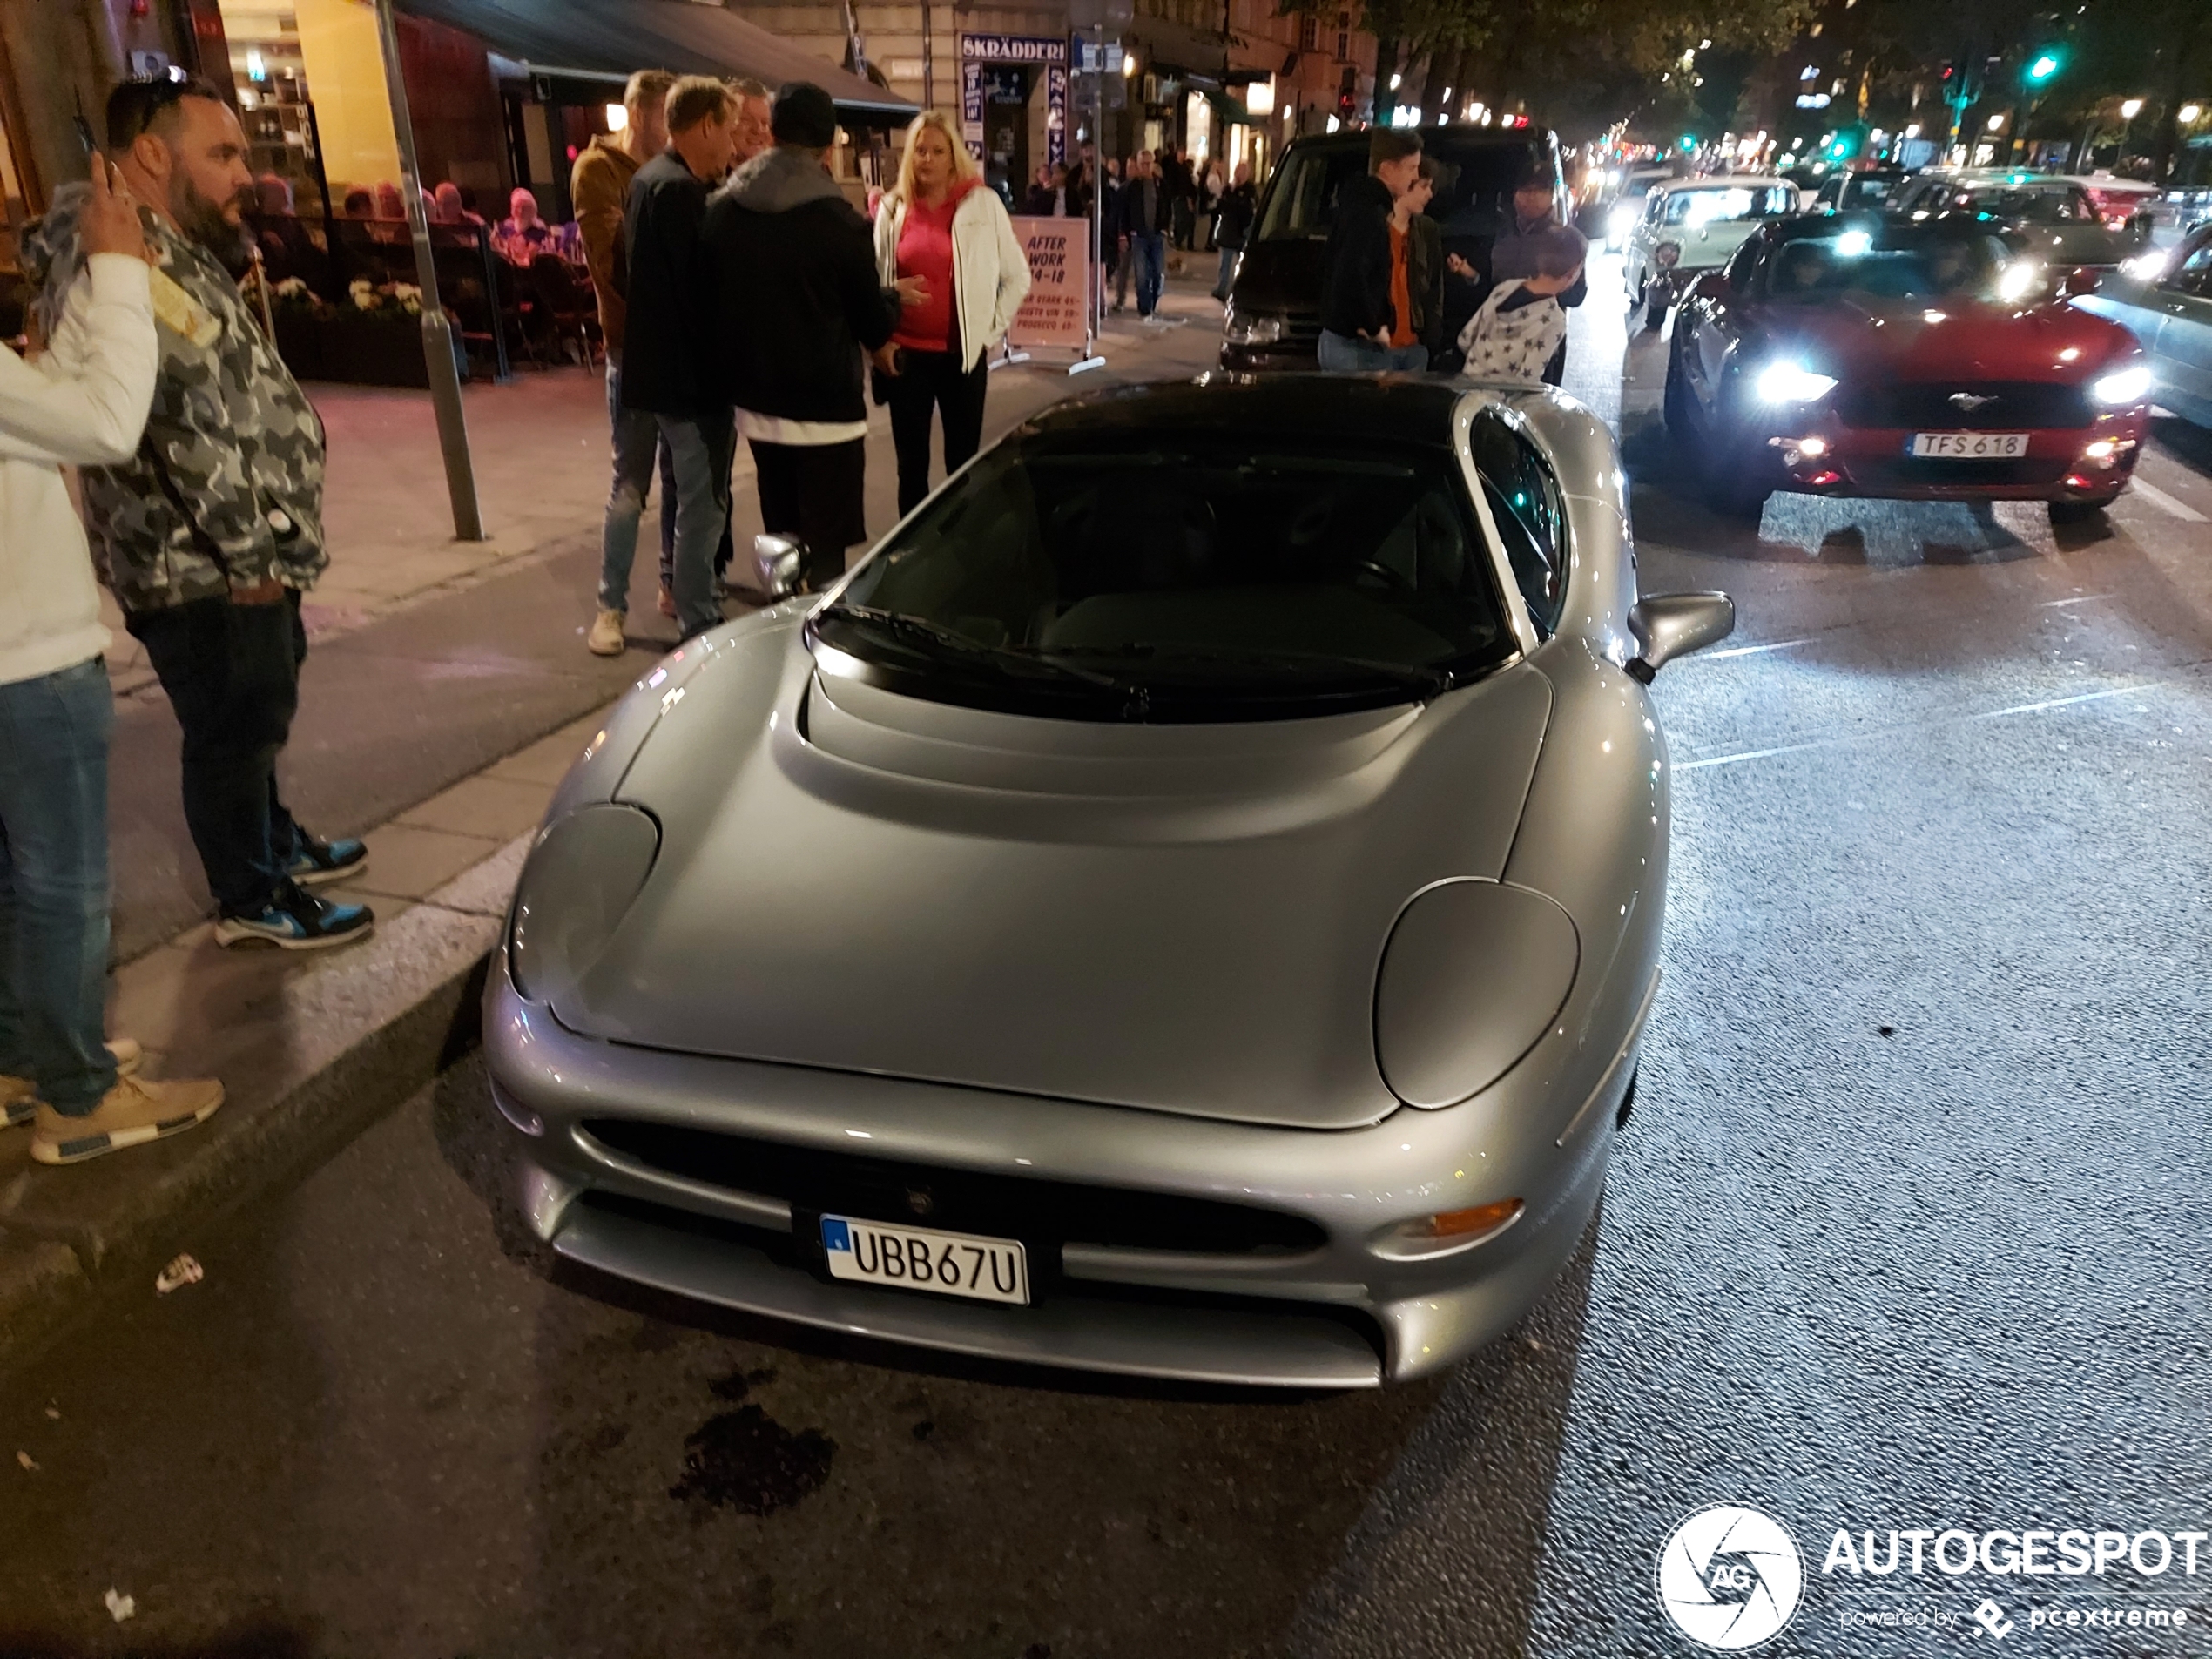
[
  {"x": 1894, "y": 228},
  {"x": 1403, "y": 411},
  {"x": 1728, "y": 181}
]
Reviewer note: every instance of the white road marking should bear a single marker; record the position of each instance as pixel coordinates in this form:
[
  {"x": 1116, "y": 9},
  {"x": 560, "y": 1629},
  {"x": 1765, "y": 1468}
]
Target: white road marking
[
  {"x": 2078, "y": 599},
  {"x": 1745, "y": 650},
  {"x": 2172, "y": 504},
  {"x": 1892, "y": 731}
]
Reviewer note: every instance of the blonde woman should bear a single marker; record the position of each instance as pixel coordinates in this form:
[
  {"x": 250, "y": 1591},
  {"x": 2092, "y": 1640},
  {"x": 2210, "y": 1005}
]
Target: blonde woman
[{"x": 942, "y": 224}]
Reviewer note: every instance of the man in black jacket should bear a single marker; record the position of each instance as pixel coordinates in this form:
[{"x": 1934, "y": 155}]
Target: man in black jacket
[
  {"x": 665, "y": 371},
  {"x": 1535, "y": 214},
  {"x": 1366, "y": 263},
  {"x": 1142, "y": 243},
  {"x": 798, "y": 299},
  {"x": 1234, "y": 226}
]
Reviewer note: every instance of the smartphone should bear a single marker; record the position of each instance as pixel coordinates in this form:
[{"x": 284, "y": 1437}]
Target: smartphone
[{"x": 84, "y": 135}]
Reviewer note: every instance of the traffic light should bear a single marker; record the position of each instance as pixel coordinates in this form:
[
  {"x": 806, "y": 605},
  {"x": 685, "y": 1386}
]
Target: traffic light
[{"x": 2043, "y": 65}]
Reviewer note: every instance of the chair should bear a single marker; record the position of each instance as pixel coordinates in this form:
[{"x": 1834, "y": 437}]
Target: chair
[{"x": 569, "y": 311}]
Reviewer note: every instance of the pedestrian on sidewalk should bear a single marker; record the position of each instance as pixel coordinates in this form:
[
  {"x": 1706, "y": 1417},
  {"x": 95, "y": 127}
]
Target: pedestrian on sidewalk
[
  {"x": 942, "y": 224},
  {"x": 1143, "y": 245},
  {"x": 793, "y": 272},
  {"x": 1233, "y": 227},
  {"x": 1366, "y": 312},
  {"x": 599, "y": 185},
  {"x": 667, "y": 371},
  {"x": 1112, "y": 251},
  {"x": 212, "y": 531},
  {"x": 1517, "y": 333},
  {"x": 1517, "y": 250},
  {"x": 83, "y": 403}
]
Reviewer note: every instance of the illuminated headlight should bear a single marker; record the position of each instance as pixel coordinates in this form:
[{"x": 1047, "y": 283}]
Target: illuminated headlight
[
  {"x": 2145, "y": 267},
  {"x": 2018, "y": 280},
  {"x": 2121, "y": 387},
  {"x": 1853, "y": 245},
  {"x": 1791, "y": 383},
  {"x": 1252, "y": 331},
  {"x": 1621, "y": 221},
  {"x": 1665, "y": 254}
]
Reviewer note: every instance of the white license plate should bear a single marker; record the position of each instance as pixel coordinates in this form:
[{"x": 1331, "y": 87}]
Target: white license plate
[
  {"x": 1969, "y": 445},
  {"x": 922, "y": 1259}
]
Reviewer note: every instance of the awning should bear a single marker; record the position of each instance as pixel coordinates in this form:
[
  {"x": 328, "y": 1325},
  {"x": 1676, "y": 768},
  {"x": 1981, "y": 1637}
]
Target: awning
[{"x": 608, "y": 40}]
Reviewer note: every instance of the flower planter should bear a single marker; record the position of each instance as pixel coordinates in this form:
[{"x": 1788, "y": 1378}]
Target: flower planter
[{"x": 365, "y": 348}]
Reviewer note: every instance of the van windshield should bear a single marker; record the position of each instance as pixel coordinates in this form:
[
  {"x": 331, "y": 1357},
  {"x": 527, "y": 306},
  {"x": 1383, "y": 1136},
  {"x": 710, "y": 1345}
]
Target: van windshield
[{"x": 1473, "y": 194}]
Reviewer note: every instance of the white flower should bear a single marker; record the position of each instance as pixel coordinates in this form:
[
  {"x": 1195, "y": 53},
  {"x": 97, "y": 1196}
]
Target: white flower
[{"x": 364, "y": 299}]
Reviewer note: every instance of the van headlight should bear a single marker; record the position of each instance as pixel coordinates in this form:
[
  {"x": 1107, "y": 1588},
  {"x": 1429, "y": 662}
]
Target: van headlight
[
  {"x": 2122, "y": 387},
  {"x": 1242, "y": 330}
]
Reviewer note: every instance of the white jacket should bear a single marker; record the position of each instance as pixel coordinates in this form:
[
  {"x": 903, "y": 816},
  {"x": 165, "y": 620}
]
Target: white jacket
[
  {"x": 82, "y": 403},
  {"x": 990, "y": 270}
]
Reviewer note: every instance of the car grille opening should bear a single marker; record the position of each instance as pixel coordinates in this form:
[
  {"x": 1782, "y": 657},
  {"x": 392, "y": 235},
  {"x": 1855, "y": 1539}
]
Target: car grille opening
[
  {"x": 2012, "y": 406},
  {"x": 1041, "y": 1212}
]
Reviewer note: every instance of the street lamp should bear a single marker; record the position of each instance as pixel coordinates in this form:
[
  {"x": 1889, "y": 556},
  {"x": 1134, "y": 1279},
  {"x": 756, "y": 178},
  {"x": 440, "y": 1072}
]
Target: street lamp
[
  {"x": 2189, "y": 113},
  {"x": 2130, "y": 109}
]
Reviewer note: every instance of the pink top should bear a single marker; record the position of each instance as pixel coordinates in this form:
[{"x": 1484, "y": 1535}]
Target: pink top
[{"x": 926, "y": 251}]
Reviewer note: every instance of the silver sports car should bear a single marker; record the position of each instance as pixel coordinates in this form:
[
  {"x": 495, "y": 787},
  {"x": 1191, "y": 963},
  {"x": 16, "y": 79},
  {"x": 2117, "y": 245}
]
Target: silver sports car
[{"x": 1185, "y": 905}]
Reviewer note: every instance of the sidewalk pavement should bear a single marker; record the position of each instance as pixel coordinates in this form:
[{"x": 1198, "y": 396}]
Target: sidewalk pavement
[{"x": 435, "y": 722}]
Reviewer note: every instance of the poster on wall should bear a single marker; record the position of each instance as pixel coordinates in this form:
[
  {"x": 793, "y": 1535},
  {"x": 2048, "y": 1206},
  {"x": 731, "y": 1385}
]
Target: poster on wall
[
  {"x": 1049, "y": 51},
  {"x": 1054, "y": 313}
]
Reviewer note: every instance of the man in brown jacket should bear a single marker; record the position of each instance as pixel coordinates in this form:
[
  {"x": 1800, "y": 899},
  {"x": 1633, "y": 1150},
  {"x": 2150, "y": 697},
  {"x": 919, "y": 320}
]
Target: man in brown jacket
[{"x": 600, "y": 186}]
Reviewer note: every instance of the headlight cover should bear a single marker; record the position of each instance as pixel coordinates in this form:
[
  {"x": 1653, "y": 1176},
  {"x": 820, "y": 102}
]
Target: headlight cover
[
  {"x": 2122, "y": 387},
  {"x": 1472, "y": 978},
  {"x": 579, "y": 882},
  {"x": 1243, "y": 330},
  {"x": 1789, "y": 381}
]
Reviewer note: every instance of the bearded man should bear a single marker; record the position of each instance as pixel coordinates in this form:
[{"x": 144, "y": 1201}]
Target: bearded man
[{"x": 212, "y": 531}]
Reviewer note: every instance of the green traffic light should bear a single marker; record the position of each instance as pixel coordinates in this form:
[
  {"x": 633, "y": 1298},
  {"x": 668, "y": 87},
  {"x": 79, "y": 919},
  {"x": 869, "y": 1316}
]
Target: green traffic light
[
  {"x": 1690, "y": 140},
  {"x": 2044, "y": 66}
]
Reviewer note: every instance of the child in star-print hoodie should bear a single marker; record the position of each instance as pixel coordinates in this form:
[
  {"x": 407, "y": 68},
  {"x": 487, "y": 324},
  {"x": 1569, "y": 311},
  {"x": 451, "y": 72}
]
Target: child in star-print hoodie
[{"x": 1512, "y": 334}]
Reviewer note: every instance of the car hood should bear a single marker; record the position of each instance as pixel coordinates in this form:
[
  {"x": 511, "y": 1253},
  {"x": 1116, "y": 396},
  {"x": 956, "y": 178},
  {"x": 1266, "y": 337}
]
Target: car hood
[
  {"x": 1707, "y": 243},
  {"x": 1952, "y": 339},
  {"x": 1183, "y": 919}
]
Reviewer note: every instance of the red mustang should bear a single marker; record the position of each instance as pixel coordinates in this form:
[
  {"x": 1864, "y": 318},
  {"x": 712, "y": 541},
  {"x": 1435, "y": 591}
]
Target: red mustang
[{"x": 1850, "y": 356}]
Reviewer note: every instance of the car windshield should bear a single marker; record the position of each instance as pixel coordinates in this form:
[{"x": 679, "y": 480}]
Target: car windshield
[
  {"x": 1695, "y": 207},
  {"x": 1473, "y": 191},
  {"x": 1869, "y": 189},
  {"x": 1885, "y": 265},
  {"x": 1180, "y": 576}
]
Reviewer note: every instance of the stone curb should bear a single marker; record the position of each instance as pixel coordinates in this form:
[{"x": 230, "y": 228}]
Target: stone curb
[{"x": 363, "y": 1031}]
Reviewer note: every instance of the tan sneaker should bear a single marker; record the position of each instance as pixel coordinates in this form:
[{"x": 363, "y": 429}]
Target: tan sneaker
[
  {"x": 19, "y": 1096},
  {"x": 132, "y": 1113},
  {"x": 605, "y": 639},
  {"x": 667, "y": 601}
]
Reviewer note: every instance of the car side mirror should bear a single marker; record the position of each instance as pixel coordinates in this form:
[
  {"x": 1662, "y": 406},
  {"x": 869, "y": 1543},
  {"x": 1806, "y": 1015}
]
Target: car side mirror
[
  {"x": 2078, "y": 280},
  {"x": 1668, "y": 625},
  {"x": 778, "y": 561}
]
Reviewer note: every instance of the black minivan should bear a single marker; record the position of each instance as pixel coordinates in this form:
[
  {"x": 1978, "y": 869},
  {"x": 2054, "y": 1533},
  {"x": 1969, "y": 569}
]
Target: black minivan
[{"x": 1274, "y": 318}]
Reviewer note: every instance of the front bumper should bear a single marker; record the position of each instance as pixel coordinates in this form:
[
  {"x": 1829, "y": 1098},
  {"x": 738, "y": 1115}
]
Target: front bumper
[
  {"x": 1334, "y": 1313},
  {"x": 2081, "y": 464}
]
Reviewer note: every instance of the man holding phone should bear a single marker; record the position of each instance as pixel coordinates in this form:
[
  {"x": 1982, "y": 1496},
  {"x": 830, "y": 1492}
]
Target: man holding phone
[
  {"x": 81, "y": 402},
  {"x": 212, "y": 529}
]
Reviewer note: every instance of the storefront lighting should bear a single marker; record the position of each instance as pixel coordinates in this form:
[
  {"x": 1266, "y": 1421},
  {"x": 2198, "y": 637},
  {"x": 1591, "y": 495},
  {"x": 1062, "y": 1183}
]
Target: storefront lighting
[
  {"x": 617, "y": 118},
  {"x": 1259, "y": 97}
]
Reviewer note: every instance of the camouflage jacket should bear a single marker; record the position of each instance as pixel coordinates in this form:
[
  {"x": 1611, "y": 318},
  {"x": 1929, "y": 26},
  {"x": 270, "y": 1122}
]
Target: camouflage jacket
[{"x": 226, "y": 489}]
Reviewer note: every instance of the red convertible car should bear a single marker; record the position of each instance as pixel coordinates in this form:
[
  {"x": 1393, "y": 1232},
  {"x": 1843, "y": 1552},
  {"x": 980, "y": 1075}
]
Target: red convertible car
[{"x": 1858, "y": 356}]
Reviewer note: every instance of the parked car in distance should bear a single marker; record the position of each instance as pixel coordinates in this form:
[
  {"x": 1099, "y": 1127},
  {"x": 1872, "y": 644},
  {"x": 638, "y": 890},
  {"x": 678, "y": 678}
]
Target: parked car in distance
[
  {"x": 1692, "y": 226},
  {"x": 1618, "y": 214},
  {"x": 1274, "y": 316},
  {"x": 1187, "y": 904},
  {"x": 2165, "y": 300},
  {"x": 1867, "y": 188},
  {"x": 1857, "y": 355}
]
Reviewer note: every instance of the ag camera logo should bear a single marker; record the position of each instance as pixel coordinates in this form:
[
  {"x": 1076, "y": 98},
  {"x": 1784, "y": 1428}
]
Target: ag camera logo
[{"x": 1730, "y": 1577}]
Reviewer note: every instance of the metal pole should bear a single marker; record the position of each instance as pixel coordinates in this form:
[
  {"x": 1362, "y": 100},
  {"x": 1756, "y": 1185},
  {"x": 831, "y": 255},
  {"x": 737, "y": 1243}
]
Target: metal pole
[{"x": 437, "y": 333}]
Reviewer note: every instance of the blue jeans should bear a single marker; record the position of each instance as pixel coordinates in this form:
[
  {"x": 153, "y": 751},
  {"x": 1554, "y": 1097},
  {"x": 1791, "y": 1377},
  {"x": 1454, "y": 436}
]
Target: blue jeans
[
  {"x": 1149, "y": 255},
  {"x": 637, "y": 439},
  {"x": 702, "y": 452},
  {"x": 54, "y": 885},
  {"x": 1228, "y": 271},
  {"x": 1349, "y": 351}
]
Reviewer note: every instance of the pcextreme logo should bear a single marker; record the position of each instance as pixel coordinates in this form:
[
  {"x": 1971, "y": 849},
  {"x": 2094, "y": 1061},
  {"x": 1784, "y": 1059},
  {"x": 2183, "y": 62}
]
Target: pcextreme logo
[{"x": 1730, "y": 1577}]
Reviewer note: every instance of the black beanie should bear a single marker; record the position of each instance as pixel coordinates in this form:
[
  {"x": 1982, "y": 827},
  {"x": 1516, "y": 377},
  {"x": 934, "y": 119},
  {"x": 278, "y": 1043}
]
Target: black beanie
[{"x": 803, "y": 116}]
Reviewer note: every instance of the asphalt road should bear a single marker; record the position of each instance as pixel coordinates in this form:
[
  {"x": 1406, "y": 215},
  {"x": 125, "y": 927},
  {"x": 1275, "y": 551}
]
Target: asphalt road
[{"x": 1908, "y": 1231}]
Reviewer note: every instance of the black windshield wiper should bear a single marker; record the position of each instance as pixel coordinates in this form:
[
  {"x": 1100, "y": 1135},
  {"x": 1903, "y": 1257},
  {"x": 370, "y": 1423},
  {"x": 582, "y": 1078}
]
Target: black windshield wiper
[
  {"x": 1425, "y": 683},
  {"x": 919, "y": 627}
]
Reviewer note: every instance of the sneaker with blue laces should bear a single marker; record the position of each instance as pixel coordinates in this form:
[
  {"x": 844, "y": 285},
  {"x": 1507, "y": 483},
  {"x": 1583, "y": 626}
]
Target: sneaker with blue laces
[
  {"x": 296, "y": 920},
  {"x": 317, "y": 862}
]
